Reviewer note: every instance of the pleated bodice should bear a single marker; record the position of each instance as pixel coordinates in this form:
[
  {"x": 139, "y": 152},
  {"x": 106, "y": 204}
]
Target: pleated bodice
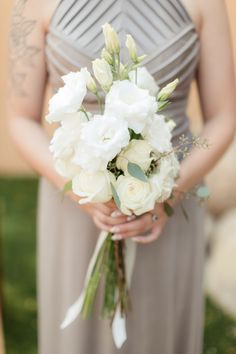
[{"x": 162, "y": 29}]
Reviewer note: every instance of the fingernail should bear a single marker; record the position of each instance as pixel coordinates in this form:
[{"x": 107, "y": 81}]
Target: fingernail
[
  {"x": 116, "y": 213},
  {"x": 116, "y": 237},
  {"x": 130, "y": 218},
  {"x": 115, "y": 229}
]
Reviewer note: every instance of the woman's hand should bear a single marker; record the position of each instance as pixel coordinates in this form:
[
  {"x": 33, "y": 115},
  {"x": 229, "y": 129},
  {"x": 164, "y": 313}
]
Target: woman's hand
[
  {"x": 104, "y": 215},
  {"x": 151, "y": 224}
]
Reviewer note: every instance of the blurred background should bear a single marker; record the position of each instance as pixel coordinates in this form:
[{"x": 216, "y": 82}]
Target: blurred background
[{"x": 18, "y": 193}]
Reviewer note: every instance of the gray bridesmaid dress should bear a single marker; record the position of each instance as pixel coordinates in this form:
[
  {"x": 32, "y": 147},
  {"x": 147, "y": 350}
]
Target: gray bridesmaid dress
[{"x": 167, "y": 281}]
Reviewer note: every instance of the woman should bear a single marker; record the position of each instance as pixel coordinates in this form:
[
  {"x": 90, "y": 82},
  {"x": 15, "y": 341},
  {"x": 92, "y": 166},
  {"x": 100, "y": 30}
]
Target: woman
[{"x": 186, "y": 39}]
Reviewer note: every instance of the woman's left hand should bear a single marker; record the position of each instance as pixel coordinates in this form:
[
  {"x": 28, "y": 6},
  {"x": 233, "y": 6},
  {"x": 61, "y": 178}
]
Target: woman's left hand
[{"x": 151, "y": 224}]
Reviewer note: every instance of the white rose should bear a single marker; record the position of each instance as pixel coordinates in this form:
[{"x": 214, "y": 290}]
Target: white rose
[
  {"x": 93, "y": 186},
  {"x": 102, "y": 138},
  {"x": 144, "y": 80},
  {"x": 158, "y": 134},
  {"x": 126, "y": 100},
  {"x": 69, "y": 98},
  {"x": 138, "y": 152},
  {"x": 102, "y": 72},
  {"x": 164, "y": 180},
  {"x": 135, "y": 196}
]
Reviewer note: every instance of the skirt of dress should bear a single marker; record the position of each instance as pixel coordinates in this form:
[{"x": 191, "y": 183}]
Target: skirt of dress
[{"x": 166, "y": 287}]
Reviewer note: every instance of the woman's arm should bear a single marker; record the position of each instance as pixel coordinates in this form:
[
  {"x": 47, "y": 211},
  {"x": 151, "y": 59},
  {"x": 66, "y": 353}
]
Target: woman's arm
[
  {"x": 27, "y": 87},
  {"x": 216, "y": 84},
  {"x": 26, "y": 98}
]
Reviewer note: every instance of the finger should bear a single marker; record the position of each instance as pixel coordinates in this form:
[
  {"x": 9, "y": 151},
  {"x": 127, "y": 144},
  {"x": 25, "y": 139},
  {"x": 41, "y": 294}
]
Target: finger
[
  {"x": 146, "y": 239},
  {"x": 100, "y": 225},
  {"x": 139, "y": 225},
  {"x": 153, "y": 236},
  {"x": 103, "y": 208},
  {"x": 110, "y": 220}
]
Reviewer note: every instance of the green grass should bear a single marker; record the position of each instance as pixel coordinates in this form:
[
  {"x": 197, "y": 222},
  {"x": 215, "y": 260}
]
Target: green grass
[{"x": 18, "y": 244}]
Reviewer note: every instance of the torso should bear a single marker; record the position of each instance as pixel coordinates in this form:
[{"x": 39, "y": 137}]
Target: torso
[{"x": 164, "y": 30}]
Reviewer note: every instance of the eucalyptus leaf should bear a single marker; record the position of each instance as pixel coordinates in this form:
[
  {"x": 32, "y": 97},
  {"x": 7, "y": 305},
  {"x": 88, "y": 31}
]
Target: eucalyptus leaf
[
  {"x": 168, "y": 209},
  {"x": 115, "y": 196},
  {"x": 203, "y": 192},
  {"x": 136, "y": 172},
  {"x": 67, "y": 188}
]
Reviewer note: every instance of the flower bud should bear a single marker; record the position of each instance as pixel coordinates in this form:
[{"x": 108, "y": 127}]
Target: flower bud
[
  {"x": 167, "y": 91},
  {"x": 111, "y": 39},
  {"x": 107, "y": 56},
  {"x": 130, "y": 44},
  {"x": 102, "y": 72},
  {"x": 91, "y": 84}
]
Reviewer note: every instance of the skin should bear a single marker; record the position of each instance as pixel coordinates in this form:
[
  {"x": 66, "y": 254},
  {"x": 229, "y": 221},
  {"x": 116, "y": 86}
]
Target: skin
[{"x": 26, "y": 102}]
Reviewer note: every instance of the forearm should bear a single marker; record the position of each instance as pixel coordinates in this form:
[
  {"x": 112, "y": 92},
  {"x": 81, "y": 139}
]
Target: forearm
[
  {"x": 219, "y": 133},
  {"x": 33, "y": 144}
]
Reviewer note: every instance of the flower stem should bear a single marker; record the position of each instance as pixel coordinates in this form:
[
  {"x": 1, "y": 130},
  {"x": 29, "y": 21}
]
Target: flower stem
[{"x": 82, "y": 109}]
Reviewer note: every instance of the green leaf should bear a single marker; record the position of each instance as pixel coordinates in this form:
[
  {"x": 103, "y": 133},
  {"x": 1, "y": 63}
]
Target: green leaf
[
  {"x": 203, "y": 192},
  {"x": 115, "y": 196},
  {"x": 168, "y": 209},
  {"x": 136, "y": 172},
  {"x": 67, "y": 187}
]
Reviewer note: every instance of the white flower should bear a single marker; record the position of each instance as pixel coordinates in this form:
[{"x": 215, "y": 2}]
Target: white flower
[
  {"x": 158, "y": 134},
  {"x": 66, "y": 137},
  {"x": 126, "y": 100},
  {"x": 135, "y": 196},
  {"x": 164, "y": 180},
  {"x": 102, "y": 72},
  {"x": 144, "y": 80},
  {"x": 93, "y": 186},
  {"x": 111, "y": 39},
  {"x": 69, "y": 98},
  {"x": 138, "y": 152},
  {"x": 102, "y": 138},
  {"x": 66, "y": 168},
  {"x": 64, "y": 142}
]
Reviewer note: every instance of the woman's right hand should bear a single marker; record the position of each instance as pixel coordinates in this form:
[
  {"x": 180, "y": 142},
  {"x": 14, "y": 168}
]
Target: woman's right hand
[{"x": 104, "y": 215}]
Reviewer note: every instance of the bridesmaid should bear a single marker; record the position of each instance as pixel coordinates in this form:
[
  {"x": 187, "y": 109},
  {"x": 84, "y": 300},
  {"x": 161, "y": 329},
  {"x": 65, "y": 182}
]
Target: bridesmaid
[{"x": 185, "y": 38}]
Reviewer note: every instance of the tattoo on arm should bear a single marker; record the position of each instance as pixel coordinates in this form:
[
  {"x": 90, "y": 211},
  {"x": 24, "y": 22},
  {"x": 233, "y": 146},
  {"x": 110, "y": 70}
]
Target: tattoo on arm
[{"x": 22, "y": 54}]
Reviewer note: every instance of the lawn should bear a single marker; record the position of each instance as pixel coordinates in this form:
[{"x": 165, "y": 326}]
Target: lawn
[{"x": 18, "y": 246}]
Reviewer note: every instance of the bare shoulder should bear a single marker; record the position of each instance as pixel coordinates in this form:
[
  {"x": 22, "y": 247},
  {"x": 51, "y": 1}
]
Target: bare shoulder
[{"x": 48, "y": 11}]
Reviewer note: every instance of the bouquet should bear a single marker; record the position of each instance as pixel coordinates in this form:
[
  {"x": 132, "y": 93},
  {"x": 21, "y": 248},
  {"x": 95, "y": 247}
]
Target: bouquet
[{"x": 123, "y": 153}]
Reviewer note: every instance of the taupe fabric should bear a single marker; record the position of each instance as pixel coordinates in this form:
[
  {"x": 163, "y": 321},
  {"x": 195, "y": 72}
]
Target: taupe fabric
[{"x": 167, "y": 282}]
